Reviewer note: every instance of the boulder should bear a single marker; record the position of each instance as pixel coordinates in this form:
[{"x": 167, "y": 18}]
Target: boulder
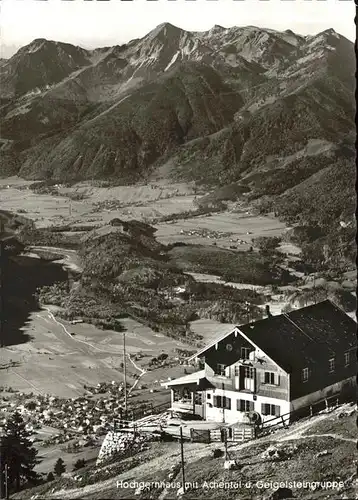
[
  {"x": 230, "y": 464},
  {"x": 323, "y": 453},
  {"x": 280, "y": 452},
  {"x": 217, "y": 453}
]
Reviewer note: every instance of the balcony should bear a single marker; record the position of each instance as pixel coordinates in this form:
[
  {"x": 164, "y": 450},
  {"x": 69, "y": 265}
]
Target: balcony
[
  {"x": 221, "y": 381},
  {"x": 189, "y": 407},
  {"x": 183, "y": 406}
]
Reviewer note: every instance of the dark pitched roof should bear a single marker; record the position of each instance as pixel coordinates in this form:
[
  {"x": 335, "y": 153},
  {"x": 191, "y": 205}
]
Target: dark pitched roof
[{"x": 304, "y": 336}]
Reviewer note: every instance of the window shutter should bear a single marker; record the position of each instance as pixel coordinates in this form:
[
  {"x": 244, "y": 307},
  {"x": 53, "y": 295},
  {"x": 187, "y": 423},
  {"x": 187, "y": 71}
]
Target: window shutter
[
  {"x": 227, "y": 403},
  {"x": 263, "y": 408},
  {"x": 278, "y": 379},
  {"x": 277, "y": 411},
  {"x": 215, "y": 401},
  {"x": 251, "y": 406}
]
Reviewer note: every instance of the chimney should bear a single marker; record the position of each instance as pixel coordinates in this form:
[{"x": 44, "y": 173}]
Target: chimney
[{"x": 268, "y": 312}]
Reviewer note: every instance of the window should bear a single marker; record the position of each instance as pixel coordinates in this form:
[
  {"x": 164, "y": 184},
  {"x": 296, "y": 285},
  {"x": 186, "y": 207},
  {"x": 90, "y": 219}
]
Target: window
[
  {"x": 198, "y": 398},
  {"x": 272, "y": 378},
  {"x": 220, "y": 369},
  {"x": 217, "y": 402},
  {"x": 208, "y": 395},
  {"x": 182, "y": 396},
  {"x": 244, "y": 405},
  {"x": 245, "y": 352},
  {"x": 227, "y": 403},
  {"x": 331, "y": 365},
  {"x": 248, "y": 372},
  {"x": 248, "y": 382},
  {"x": 268, "y": 409},
  {"x": 222, "y": 402},
  {"x": 237, "y": 370},
  {"x": 305, "y": 374},
  {"x": 346, "y": 358}
]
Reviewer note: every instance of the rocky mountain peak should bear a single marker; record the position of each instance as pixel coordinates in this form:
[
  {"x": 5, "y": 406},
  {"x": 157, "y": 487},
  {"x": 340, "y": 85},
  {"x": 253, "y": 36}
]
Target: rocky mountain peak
[
  {"x": 164, "y": 30},
  {"x": 223, "y": 100}
]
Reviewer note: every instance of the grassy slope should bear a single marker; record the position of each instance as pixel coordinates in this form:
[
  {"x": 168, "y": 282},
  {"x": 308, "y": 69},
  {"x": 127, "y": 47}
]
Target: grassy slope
[
  {"x": 302, "y": 440},
  {"x": 308, "y": 201}
]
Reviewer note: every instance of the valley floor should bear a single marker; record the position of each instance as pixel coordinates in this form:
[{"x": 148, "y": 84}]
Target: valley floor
[
  {"x": 60, "y": 358},
  {"x": 54, "y": 361},
  {"x": 85, "y": 204}
]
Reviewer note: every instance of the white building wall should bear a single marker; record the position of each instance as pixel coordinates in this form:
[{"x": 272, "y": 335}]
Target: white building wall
[
  {"x": 285, "y": 407},
  {"x": 231, "y": 416},
  {"x": 213, "y": 414},
  {"x": 209, "y": 371}
]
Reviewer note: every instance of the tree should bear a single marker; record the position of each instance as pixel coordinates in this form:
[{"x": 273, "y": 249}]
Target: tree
[
  {"x": 59, "y": 467},
  {"x": 17, "y": 453},
  {"x": 308, "y": 296},
  {"x": 50, "y": 476},
  {"x": 81, "y": 462},
  {"x": 266, "y": 244}
]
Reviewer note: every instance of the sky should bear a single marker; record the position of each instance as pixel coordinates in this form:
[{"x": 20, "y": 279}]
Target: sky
[{"x": 100, "y": 23}]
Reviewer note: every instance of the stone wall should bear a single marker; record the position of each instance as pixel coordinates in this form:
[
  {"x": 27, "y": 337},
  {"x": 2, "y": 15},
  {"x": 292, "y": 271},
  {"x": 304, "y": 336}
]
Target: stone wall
[{"x": 121, "y": 443}]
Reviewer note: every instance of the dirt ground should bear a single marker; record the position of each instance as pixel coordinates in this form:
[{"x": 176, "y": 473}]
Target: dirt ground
[{"x": 301, "y": 465}]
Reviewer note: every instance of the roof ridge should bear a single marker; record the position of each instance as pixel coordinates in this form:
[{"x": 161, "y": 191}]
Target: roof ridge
[
  {"x": 304, "y": 333},
  {"x": 299, "y": 328},
  {"x": 213, "y": 343}
]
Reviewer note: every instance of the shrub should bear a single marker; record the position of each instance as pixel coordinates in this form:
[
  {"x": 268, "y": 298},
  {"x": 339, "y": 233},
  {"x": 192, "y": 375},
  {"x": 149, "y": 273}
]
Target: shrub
[
  {"x": 79, "y": 464},
  {"x": 266, "y": 244},
  {"x": 50, "y": 476},
  {"x": 59, "y": 467}
]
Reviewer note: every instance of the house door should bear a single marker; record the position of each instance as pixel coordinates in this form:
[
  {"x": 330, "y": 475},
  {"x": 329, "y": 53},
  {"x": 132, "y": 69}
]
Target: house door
[
  {"x": 237, "y": 377},
  {"x": 199, "y": 402},
  {"x": 249, "y": 378}
]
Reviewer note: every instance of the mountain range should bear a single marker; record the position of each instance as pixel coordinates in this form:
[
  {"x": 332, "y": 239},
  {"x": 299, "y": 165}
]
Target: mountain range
[
  {"x": 238, "y": 99},
  {"x": 270, "y": 110}
]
